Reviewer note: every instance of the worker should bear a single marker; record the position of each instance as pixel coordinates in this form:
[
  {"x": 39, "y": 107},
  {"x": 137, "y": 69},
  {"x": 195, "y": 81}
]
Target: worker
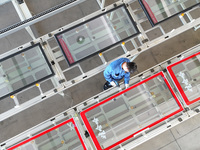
[{"x": 117, "y": 70}]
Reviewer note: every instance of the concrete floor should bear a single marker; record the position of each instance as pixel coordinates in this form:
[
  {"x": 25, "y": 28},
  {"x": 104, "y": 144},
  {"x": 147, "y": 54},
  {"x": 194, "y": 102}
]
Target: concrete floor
[{"x": 185, "y": 136}]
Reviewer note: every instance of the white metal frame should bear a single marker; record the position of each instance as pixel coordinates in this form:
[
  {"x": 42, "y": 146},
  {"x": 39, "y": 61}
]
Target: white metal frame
[
  {"x": 91, "y": 101},
  {"x": 194, "y": 23},
  {"x": 59, "y": 74}
]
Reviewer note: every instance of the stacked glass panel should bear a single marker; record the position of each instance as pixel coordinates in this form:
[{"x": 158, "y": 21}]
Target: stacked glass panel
[
  {"x": 22, "y": 69},
  {"x": 97, "y": 34},
  {"x": 186, "y": 76},
  {"x": 160, "y": 10},
  {"x": 64, "y": 136},
  {"x": 122, "y": 116}
]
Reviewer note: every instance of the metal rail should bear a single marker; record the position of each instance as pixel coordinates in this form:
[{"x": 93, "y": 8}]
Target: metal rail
[
  {"x": 60, "y": 87},
  {"x": 39, "y": 17}
]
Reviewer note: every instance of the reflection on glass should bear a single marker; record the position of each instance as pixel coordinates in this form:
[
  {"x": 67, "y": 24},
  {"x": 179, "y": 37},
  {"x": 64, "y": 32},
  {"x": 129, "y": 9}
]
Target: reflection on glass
[
  {"x": 23, "y": 69},
  {"x": 64, "y": 136},
  {"x": 159, "y": 10},
  {"x": 96, "y": 34},
  {"x": 139, "y": 107},
  {"x": 186, "y": 75}
]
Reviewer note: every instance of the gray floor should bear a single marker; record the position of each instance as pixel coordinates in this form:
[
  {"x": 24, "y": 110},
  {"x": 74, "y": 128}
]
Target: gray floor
[
  {"x": 182, "y": 137},
  {"x": 185, "y": 136}
]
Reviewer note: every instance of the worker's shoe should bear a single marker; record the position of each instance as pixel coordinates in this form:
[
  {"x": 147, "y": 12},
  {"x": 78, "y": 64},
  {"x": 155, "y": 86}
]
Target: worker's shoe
[{"x": 107, "y": 85}]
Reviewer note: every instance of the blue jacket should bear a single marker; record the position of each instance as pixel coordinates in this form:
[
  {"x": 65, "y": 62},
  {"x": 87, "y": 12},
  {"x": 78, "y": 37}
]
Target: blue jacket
[{"x": 114, "y": 71}]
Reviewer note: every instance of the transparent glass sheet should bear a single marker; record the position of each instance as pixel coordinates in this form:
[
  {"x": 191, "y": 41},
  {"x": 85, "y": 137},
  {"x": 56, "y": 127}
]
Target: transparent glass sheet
[
  {"x": 159, "y": 10},
  {"x": 64, "y": 137},
  {"x": 23, "y": 69},
  {"x": 186, "y": 75},
  {"x": 96, "y": 34},
  {"x": 138, "y": 108}
]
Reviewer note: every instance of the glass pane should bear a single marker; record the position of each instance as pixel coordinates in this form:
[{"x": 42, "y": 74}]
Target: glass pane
[
  {"x": 186, "y": 75},
  {"x": 64, "y": 136},
  {"x": 138, "y": 108},
  {"x": 23, "y": 69},
  {"x": 159, "y": 10},
  {"x": 96, "y": 34}
]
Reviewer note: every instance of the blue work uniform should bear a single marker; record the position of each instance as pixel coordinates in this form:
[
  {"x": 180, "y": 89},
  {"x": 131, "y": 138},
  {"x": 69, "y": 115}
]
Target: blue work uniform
[{"x": 114, "y": 71}]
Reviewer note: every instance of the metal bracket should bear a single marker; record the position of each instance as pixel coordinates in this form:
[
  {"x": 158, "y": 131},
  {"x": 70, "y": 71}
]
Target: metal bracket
[{"x": 196, "y": 27}]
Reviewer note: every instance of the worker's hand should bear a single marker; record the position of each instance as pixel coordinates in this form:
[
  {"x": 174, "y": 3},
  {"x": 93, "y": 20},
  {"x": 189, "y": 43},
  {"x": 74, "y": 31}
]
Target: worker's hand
[
  {"x": 113, "y": 83},
  {"x": 126, "y": 85}
]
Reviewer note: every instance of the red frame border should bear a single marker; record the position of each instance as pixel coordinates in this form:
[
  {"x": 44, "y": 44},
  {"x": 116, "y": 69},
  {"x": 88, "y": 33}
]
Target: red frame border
[
  {"x": 169, "y": 68},
  {"x": 83, "y": 116},
  {"x": 66, "y": 50},
  {"x": 151, "y": 14},
  {"x": 49, "y": 130}
]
